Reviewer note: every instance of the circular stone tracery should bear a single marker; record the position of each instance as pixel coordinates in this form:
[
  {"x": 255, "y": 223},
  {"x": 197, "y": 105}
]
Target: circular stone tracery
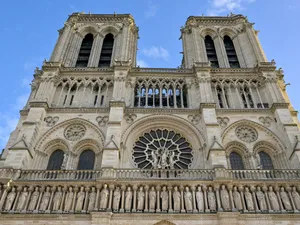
[
  {"x": 246, "y": 134},
  {"x": 162, "y": 149},
  {"x": 74, "y": 132}
]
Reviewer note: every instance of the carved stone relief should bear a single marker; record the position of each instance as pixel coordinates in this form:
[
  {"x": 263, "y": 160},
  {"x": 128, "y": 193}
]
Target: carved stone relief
[
  {"x": 195, "y": 119},
  {"x": 246, "y": 134},
  {"x": 223, "y": 121},
  {"x": 266, "y": 120},
  {"x": 74, "y": 132},
  {"x": 51, "y": 121},
  {"x": 102, "y": 120},
  {"x": 129, "y": 118}
]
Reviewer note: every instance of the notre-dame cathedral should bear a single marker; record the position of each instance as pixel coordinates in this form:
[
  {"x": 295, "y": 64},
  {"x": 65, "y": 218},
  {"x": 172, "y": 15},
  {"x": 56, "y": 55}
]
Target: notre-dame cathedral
[{"x": 104, "y": 141}]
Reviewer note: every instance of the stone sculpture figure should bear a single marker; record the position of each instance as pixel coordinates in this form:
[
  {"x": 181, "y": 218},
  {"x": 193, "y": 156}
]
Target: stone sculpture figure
[
  {"x": 237, "y": 199},
  {"x": 152, "y": 199},
  {"x": 285, "y": 199},
  {"x": 296, "y": 198},
  {"x": 225, "y": 198},
  {"x": 45, "y": 199},
  {"x": 10, "y": 199},
  {"x": 22, "y": 199},
  {"x": 164, "y": 199},
  {"x": 261, "y": 198},
  {"x": 154, "y": 160},
  {"x": 92, "y": 199},
  {"x": 172, "y": 160},
  {"x": 57, "y": 199},
  {"x": 140, "y": 199},
  {"x": 116, "y": 199},
  {"x": 69, "y": 200},
  {"x": 164, "y": 156},
  {"x": 65, "y": 160},
  {"x": 200, "y": 199},
  {"x": 80, "y": 199},
  {"x": 249, "y": 200},
  {"x": 258, "y": 161},
  {"x": 176, "y": 199},
  {"x": 34, "y": 199},
  {"x": 211, "y": 199},
  {"x": 128, "y": 199},
  {"x": 273, "y": 199},
  {"x": 188, "y": 199},
  {"x": 104, "y": 197}
]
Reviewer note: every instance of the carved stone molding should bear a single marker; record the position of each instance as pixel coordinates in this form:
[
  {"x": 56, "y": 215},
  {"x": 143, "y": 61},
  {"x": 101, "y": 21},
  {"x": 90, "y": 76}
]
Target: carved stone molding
[
  {"x": 266, "y": 120},
  {"x": 51, "y": 121},
  {"x": 246, "y": 134},
  {"x": 102, "y": 120},
  {"x": 130, "y": 117},
  {"x": 74, "y": 132},
  {"x": 223, "y": 121}
]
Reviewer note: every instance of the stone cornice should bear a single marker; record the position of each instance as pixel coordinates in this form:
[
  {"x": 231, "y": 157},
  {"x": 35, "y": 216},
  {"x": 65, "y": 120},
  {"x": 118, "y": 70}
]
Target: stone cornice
[
  {"x": 113, "y": 103},
  {"x": 37, "y": 104},
  {"x": 216, "y": 20},
  {"x": 252, "y": 110},
  {"x": 279, "y": 106},
  {"x": 161, "y": 110}
]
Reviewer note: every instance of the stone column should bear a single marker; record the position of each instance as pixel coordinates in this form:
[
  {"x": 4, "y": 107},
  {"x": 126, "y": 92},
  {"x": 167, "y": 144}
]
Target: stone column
[
  {"x": 111, "y": 189},
  {"x": 97, "y": 197},
  {"x": 158, "y": 198},
  {"x": 85, "y": 206},
  {"x": 42, "y": 189},
  {"x": 238, "y": 50},
  {"x": 19, "y": 190},
  {"x": 204, "y": 188},
  {"x": 255, "y": 43},
  {"x": 279, "y": 198},
  {"x": 231, "y": 197},
  {"x": 253, "y": 190},
  {"x": 193, "y": 188},
  {"x": 96, "y": 50},
  {"x": 64, "y": 190},
  {"x": 170, "y": 199},
  {"x": 30, "y": 190},
  {"x": 181, "y": 188},
  {"x": 134, "y": 198},
  {"x": 123, "y": 188},
  {"x": 76, "y": 189},
  {"x": 51, "y": 199},
  {"x": 146, "y": 198},
  {"x": 241, "y": 190},
  {"x": 221, "y": 52},
  {"x": 217, "y": 191},
  {"x": 265, "y": 189}
]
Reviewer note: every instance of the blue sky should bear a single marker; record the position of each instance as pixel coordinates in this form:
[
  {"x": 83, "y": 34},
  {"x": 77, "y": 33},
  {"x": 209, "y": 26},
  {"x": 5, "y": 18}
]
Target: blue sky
[{"x": 29, "y": 32}]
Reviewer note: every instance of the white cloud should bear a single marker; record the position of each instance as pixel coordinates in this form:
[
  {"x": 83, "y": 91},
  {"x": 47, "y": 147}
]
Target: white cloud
[
  {"x": 141, "y": 63},
  {"x": 156, "y": 52},
  {"x": 151, "y": 10},
  {"x": 224, "y": 6}
]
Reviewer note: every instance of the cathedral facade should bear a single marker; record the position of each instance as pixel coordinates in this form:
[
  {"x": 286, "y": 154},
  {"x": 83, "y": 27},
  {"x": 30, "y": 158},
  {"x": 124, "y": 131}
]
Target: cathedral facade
[{"x": 103, "y": 141}]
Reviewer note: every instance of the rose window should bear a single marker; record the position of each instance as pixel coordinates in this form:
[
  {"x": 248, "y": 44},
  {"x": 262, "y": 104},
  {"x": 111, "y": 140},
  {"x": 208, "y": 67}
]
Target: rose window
[
  {"x": 75, "y": 132},
  {"x": 246, "y": 134},
  {"x": 162, "y": 149}
]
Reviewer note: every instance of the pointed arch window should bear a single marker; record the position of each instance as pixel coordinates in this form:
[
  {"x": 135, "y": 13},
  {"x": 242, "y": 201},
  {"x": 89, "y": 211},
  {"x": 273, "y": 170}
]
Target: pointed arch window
[
  {"x": 266, "y": 161},
  {"x": 86, "y": 160},
  {"x": 236, "y": 161},
  {"x": 231, "y": 53},
  {"x": 85, "y": 51},
  {"x": 55, "y": 160},
  {"x": 211, "y": 51},
  {"x": 106, "y": 52}
]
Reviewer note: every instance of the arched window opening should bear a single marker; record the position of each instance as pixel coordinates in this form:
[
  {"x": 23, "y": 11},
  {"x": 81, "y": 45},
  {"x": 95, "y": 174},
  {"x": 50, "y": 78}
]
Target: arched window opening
[
  {"x": 211, "y": 52},
  {"x": 265, "y": 161},
  {"x": 231, "y": 54},
  {"x": 86, "y": 160},
  {"x": 55, "y": 160},
  {"x": 85, "y": 51},
  {"x": 236, "y": 161},
  {"x": 106, "y": 52}
]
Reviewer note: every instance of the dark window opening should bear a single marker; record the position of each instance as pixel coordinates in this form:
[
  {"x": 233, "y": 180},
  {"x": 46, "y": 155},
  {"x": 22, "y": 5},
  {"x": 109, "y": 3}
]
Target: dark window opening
[
  {"x": 211, "y": 52},
  {"x": 65, "y": 99},
  {"x": 102, "y": 100},
  {"x": 86, "y": 160},
  {"x": 95, "y": 100},
  {"x": 71, "y": 101},
  {"x": 106, "y": 52},
  {"x": 85, "y": 51},
  {"x": 231, "y": 54},
  {"x": 55, "y": 160},
  {"x": 265, "y": 161},
  {"x": 236, "y": 161}
]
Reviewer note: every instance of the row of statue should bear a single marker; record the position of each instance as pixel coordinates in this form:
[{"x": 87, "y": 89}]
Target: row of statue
[{"x": 172, "y": 199}]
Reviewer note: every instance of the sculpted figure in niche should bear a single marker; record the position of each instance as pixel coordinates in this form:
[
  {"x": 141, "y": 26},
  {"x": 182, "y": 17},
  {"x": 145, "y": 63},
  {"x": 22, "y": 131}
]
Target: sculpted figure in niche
[
  {"x": 188, "y": 199},
  {"x": 258, "y": 161},
  {"x": 249, "y": 200},
  {"x": 10, "y": 199},
  {"x": 225, "y": 198},
  {"x": 211, "y": 199},
  {"x": 171, "y": 160},
  {"x": 261, "y": 198},
  {"x": 140, "y": 199},
  {"x": 154, "y": 160},
  {"x": 69, "y": 200},
  {"x": 65, "y": 160},
  {"x": 273, "y": 199},
  {"x": 200, "y": 199},
  {"x": 92, "y": 200},
  {"x": 22, "y": 199},
  {"x": 285, "y": 199},
  {"x": 104, "y": 197},
  {"x": 57, "y": 199},
  {"x": 152, "y": 199},
  {"x": 164, "y": 199},
  {"x": 34, "y": 199},
  {"x": 176, "y": 199},
  {"x": 116, "y": 199},
  {"x": 296, "y": 198},
  {"x": 45, "y": 199},
  {"x": 80, "y": 199},
  {"x": 237, "y": 199},
  {"x": 128, "y": 199}
]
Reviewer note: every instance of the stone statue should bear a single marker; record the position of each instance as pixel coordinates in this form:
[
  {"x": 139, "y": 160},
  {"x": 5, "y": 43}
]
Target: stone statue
[
  {"x": 57, "y": 199},
  {"x": 176, "y": 199},
  {"x": 258, "y": 161},
  {"x": 237, "y": 199},
  {"x": 164, "y": 156},
  {"x": 65, "y": 160},
  {"x": 22, "y": 199},
  {"x": 10, "y": 199},
  {"x": 172, "y": 160},
  {"x": 128, "y": 199},
  {"x": 154, "y": 160},
  {"x": 80, "y": 199},
  {"x": 92, "y": 199},
  {"x": 116, "y": 199},
  {"x": 164, "y": 199},
  {"x": 285, "y": 199},
  {"x": 200, "y": 199},
  {"x": 152, "y": 199},
  {"x": 261, "y": 198},
  {"x": 188, "y": 200},
  {"x": 34, "y": 199},
  {"x": 296, "y": 198},
  {"x": 273, "y": 199},
  {"x": 104, "y": 197},
  {"x": 45, "y": 199},
  {"x": 225, "y": 198},
  {"x": 249, "y": 200},
  {"x": 211, "y": 199},
  {"x": 140, "y": 199},
  {"x": 69, "y": 200}
]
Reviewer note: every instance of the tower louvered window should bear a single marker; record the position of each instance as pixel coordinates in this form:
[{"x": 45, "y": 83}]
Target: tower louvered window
[
  {"x": 106, "y": 52},
  {"x": 85, "y": 51},
  {"x": 231, "y": 54},
  {"x": 211, "y": 52}
]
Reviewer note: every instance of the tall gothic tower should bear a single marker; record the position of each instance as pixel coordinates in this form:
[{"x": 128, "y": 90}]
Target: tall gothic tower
[{"x": 105, "y": 142}]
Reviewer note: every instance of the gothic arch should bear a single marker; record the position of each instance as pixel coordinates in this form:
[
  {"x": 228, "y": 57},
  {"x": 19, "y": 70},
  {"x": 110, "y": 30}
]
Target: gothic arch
[
  {"x": 208, "y": 31},
  {"x": 89, "y": 28},
  {"x": 87, "y": 144},
  {"x": 114, "y": 30},
  {"x": 230, "y": 32},
  {"x": 55, "y": 144},
  {"x": 240, "y": 149}
]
